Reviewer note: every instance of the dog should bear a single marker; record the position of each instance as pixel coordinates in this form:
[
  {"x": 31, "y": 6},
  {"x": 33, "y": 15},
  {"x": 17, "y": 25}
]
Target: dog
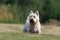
[{"x": 32, "y": 24}]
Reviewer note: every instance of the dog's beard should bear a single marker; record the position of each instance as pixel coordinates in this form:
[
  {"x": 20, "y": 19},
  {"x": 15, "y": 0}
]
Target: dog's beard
[{"x": 32, "y": 27}]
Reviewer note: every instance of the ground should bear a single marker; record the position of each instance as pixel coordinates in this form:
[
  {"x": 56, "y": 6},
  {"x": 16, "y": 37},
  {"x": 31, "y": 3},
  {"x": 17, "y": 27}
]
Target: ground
[{"x": 14, "y": 32}]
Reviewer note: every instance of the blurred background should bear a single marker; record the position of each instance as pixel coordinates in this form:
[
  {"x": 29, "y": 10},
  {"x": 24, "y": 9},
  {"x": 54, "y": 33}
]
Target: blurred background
[
  {"x": 13, "y": 14},
  {"x": 16, "y": 11}
]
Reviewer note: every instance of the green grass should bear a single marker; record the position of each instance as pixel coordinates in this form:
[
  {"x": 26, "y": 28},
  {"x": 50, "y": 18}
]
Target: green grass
[{"x": 27, "y": 36}]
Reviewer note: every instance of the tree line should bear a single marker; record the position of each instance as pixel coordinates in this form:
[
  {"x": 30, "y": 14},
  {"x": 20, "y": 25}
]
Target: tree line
[{"x": 48, "y": 9}]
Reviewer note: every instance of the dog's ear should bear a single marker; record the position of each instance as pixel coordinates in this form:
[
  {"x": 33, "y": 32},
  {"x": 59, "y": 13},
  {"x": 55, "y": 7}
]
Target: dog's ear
[
  {"x": 31, "y": 12},
  {"x": 37, "y": 12}
]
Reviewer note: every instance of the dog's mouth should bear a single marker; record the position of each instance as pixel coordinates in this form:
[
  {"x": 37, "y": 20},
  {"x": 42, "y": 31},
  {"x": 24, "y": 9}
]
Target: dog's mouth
[{"x": 31, "y": 21}]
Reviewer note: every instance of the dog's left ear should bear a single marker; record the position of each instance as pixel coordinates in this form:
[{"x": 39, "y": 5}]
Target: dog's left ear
[{"x": 37, "y": 12}]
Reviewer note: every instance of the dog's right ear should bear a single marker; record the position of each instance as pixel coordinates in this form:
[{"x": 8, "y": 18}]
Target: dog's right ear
[{"x": 31, "y": 11}]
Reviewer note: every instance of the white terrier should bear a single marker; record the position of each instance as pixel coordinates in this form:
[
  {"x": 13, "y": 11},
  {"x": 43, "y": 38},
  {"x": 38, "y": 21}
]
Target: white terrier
[{"x": 32, "y": 23}]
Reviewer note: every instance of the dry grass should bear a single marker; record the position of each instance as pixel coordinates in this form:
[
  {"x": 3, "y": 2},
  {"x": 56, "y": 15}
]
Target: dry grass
[
  {"x": 14, "y": 32},
  {"x": 17, "y": 28}
]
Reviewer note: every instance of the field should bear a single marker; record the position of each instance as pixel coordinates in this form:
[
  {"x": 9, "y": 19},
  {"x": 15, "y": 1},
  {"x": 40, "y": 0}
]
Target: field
[
  {"x": 14, "y": 32},
  {"x": 13, "y": 14},
  {"x": 23, "y": 36}
]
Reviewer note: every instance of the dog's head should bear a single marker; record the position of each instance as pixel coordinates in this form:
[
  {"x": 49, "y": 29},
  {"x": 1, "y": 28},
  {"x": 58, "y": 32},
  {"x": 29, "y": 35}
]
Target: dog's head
[{"x": 33, "y": 17}]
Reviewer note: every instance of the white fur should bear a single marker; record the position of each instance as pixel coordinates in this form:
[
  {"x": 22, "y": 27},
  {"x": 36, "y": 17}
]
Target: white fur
[{"x": 37, "y": 26}]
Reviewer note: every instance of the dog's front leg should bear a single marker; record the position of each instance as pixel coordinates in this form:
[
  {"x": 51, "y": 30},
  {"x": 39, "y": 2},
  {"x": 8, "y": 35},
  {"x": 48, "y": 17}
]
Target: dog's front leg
[
  {"x": 27, "y": 27},
  {"x": 39, "y": 28}
]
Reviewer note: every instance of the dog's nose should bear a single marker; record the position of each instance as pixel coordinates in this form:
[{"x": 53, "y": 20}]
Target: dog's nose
[{"x": 31, "y": 20}]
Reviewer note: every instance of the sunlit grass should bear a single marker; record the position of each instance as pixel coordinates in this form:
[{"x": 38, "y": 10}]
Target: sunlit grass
[{"x": 27, "y": 36}]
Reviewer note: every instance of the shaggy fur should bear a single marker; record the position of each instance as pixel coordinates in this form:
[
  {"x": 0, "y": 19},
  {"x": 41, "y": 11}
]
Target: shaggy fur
[{"x": 32, "y": 23}]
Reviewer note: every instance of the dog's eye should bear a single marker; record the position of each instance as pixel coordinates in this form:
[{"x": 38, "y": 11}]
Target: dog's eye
[{"x": 34, "y": 16}]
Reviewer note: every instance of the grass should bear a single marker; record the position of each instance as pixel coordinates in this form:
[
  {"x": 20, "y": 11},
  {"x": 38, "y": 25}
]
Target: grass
[
  {"x": 14, "y": 32},
  {"x": 27, "y": 36}
]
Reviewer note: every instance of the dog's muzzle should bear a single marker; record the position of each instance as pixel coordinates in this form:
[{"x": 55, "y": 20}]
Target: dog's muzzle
[{"x": 31, "y": 21}]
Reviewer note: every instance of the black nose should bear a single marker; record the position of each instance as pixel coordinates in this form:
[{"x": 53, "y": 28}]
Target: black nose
[{"x": 31, "y": 20}]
